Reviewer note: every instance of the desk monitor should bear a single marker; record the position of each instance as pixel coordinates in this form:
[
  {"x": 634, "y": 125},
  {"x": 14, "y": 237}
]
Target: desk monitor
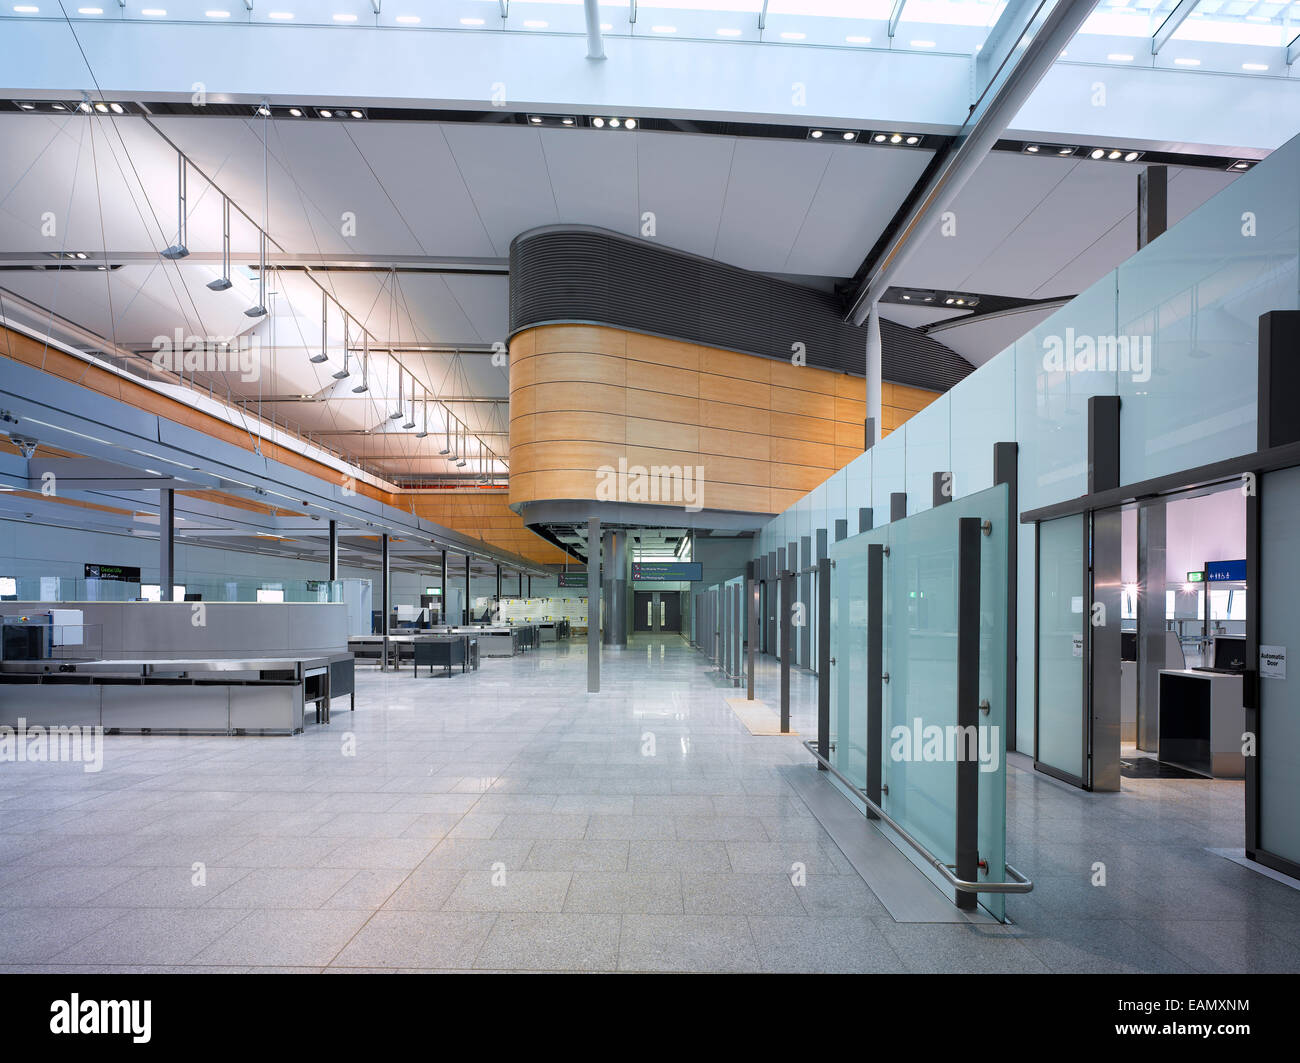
[{"x": 1230, "y": 652}]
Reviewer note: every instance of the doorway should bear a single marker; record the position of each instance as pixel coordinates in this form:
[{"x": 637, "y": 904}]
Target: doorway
[{"x": 657, "y": 611}]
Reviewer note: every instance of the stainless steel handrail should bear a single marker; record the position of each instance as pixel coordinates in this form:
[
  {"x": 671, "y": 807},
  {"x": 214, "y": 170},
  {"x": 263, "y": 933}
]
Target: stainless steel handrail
[{"x": 1019, "y": 883}]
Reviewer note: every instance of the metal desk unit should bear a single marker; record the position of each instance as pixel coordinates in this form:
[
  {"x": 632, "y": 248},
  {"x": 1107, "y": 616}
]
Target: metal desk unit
[
  {"x": 444, "y": 651},
  {"x": 210, "y": 696}
]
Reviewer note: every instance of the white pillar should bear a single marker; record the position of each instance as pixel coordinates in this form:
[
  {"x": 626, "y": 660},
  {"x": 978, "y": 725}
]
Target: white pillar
[{"x": 873, "y": 374}]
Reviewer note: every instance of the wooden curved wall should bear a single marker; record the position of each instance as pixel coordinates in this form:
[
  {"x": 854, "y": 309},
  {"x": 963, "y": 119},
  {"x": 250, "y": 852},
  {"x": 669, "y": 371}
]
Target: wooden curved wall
[{"x": 764, "y": 432}]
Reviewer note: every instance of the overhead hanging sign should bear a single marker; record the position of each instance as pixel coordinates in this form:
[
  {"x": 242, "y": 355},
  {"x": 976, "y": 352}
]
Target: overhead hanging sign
[
  {"x": 573, "y": 579},
  {"x": 1225, "y": 571},
  {"x": 121, "y": 573},
  {"x": 667, "y": 571}
]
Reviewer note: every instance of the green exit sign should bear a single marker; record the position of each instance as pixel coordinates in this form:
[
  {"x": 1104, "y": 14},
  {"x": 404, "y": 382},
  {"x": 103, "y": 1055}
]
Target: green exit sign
[{"x": 1196, "y": 577}]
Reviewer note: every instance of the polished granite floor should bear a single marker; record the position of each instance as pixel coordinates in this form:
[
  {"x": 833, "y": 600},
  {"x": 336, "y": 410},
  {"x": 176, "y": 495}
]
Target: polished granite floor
[{"x": 507, "y": 820}]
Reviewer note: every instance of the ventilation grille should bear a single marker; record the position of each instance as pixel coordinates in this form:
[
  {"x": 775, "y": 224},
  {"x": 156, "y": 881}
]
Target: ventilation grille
[{"x": 603, "y": 277}]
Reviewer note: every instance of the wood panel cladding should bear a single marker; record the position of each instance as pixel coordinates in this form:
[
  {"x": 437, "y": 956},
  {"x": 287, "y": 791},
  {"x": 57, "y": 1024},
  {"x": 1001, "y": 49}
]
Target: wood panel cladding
[
  {"x": 485, "y": 514},
  {"x": 763, "y": 432}
]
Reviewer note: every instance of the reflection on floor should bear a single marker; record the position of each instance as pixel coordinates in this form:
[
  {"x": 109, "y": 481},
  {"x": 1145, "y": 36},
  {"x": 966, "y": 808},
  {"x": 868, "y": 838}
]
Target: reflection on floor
[{"x": 506, "y": 820}]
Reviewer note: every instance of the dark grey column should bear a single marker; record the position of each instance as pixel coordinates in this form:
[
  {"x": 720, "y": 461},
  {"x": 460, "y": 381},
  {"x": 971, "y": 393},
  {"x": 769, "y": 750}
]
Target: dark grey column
[
  {"x": 865, "y": 519},
  {"x": 1151, "y": 621},
  {"x": 805, "y": 597},
  {"x": 875, "y": 671},
  {"x": 1278, "y": 421},
  {"x": 787, "y": 648},
  {"x": 969, "y": 716},
  {"x": 654, "y": 611},
  {"x": 1005, "y": 471},
  {"x": 530, "y": 586},
  {"x": 770, "y": 571},
  {"x": 469, "y": 609},
  {"x": 868, "y": 433},
  {"x": 385, "y": 604},
  {"x": 593, "y": 606},
  {"x": 334, "y": 550},
  {"x": 897, "y": 505},
  {"x": 166, "y": 544},
  {"x": 1104, "y": 660},
  {"x": 824, "y": 664},
  {"x": 751, "y": 626},
  {"x": 519, "y": 591},
  {"x": 940, "y": 488},
  {"x": 1153, "y": 204},
  {"x": 442, "y": 589},
  {"x": 498, "y": 582},
  {"x": 1103, "y": 443},
  {"x": 841, "y": 529},
  {"x": 614, "y": 572}
]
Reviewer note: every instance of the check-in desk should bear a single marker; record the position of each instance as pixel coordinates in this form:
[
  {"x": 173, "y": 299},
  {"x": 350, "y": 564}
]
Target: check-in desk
[
  {"x": 210, "y": 696},
  {"x": 1201, "y": 722},
  {"x": 445, "y": 651}
]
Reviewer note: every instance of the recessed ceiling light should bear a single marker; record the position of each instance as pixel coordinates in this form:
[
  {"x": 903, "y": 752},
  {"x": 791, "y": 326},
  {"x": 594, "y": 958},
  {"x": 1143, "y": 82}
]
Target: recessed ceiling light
[
  {"x": 1120, "y": 57},
  {"x": 857, "y": 40},
  {"x": 1098, "y": 153},
  {"x": 913, "y": 140},
  {"x": 408, "y": 20},
  {"x": 154, "y": 12},
  {"x": 728, "y": 32},
  {"x": 1183, "y": 60},
  {"x": 1065, "y": 151},
  {"x": 1114, "y": 155},
  {"x": 116, "y": 108},
  {"x": 1241, "y": 164},
  {"x": 816, "y": 134},
  {"x": 896, "y": 139},
  {"x": 606, "y": 26},
  {"x": 1032, "y": 149},
  {"x": 599, "y": 123},
  {"x": 217, "y": 14},
  {"x": 613, "y": 123},
  {"x": 295, "y": 112},
  {"x": 356, "y": 114},
  {"x": 879, "y": 138},
  {"x": 630, "y": 123},
  {"x": 327, "y": 114},
  {"x": 566, "y": 121},
  {"x": 90, "y": 11},
  {"x": 471, "y": 22},
  {"x": 791, "y": 35},
  {"x": 536, "y": 119},
  {"x": 922, "y": 44},
  {"x": 27, "y": 9},
  {"x": 102, "y": 108},
  {"x": 263, "y": 111},
  {"x": 344, "y": 18},
  {"x": 27, "y": 106},
  {"x": 663, "y": 29},
  {"x": 848, "y": 135},
  {"x": 1133, "y": 156},
  {"x": 84, "y": 106},
  {"x": 1254, "y": 66},
  {"x": 535, "y": 24}
]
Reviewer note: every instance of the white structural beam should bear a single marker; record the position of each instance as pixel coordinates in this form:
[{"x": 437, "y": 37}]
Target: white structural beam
[
  {"x": 595, "y": 46},
  {"x": 1002, "y": 38},
  {"x": 855, "y": 88},
  {"x": 1171, "y": 23}
]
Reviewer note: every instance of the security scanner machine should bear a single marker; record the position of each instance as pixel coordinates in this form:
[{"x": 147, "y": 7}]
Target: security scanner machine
[{"x": 146, "y": 667}]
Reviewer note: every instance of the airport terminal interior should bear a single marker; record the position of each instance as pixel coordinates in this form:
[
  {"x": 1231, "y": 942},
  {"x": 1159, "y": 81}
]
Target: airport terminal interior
[{"x": 802, "y": 486}]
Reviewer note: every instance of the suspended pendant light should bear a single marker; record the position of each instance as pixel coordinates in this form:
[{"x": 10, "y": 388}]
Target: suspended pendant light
[
  {"x": 364, "y": 386},
  {"x": 260, "y": 309},
  {"x": 460, "y": 461},
  {"x": 410, "y": 421},
  {"x": 446, "y": 435},
  {"x": 223, "y": 283},
  {"x": 344, "y": 373},
  {"x": 178, "y": 249},
  {"x": 424, "y": 421},
  {"x": 397, "y": 413},
  {"x": 324, "y": 355}
]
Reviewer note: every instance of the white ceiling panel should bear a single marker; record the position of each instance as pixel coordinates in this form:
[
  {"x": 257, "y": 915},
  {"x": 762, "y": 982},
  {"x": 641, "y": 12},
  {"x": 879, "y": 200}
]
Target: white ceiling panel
[
  {"x": 683, "y": 180},
  {"x": 593, "y": 175}
]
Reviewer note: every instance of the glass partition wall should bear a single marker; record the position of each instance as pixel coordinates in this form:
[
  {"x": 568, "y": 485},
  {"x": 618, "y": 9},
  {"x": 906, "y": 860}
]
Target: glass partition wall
[{"x": 918, "y": 699}]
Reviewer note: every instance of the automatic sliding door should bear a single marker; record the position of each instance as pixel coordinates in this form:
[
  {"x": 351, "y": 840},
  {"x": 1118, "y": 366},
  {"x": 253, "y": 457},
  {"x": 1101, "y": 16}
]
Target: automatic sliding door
[{"x": 1061, "y": 732}]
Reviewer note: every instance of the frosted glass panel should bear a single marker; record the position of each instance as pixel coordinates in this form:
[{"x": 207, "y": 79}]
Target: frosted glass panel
[
  {"x": 919, "y": 596},
  {"x": 927, "y": 452},
  {"x": 888, "y": 471},
  {"x": 983, "y": 412},
  {"x": 1061, "y": 611},
  {"x": 859, "y": 488},
  {"x": 1279, "y": 625},
  {"x": 1052, "y": 396},
  {"x": 1193, "y": 298}
]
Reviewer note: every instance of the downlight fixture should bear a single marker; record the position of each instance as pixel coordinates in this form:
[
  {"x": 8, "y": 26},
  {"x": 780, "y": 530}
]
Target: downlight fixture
[
  {"x": 178, "y": 249},
  {"x": 224, "y": 283},
  {"x": 364, "y": 386},
  {"x": 324, "y": 355}
]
